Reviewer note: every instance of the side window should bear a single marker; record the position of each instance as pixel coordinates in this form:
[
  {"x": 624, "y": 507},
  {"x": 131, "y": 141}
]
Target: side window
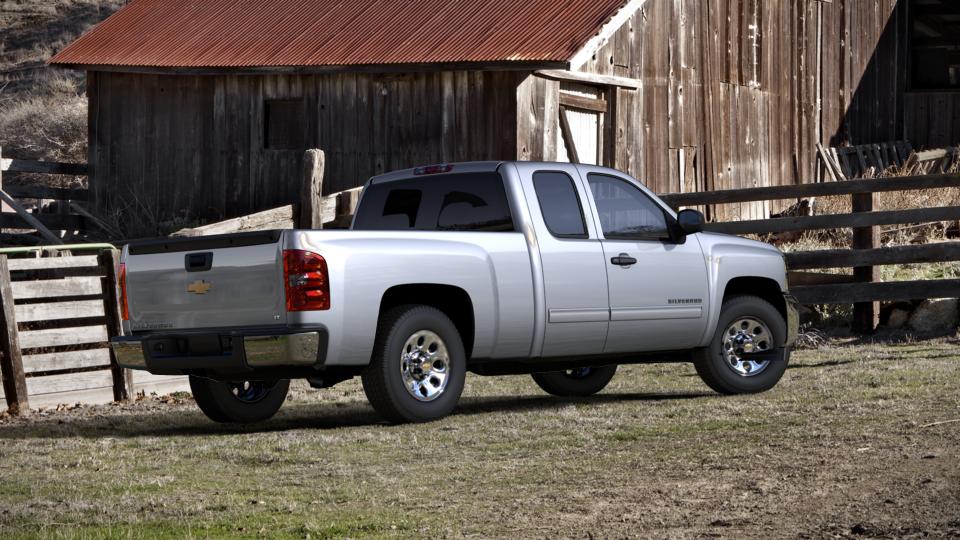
[
  {"x": 472, "y": 202},
  {"x": 559, "y": 204},
  {"x": 445, "y": 202},
  {"x": 625, "y": 211}
]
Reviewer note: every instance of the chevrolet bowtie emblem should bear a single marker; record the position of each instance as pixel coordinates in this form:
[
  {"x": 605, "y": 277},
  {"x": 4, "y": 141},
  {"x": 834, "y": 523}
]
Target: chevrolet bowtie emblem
[{"x": 199, "y": 287}]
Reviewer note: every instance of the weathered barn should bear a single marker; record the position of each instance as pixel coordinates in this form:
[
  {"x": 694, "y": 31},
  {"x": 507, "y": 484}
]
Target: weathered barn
[{"x": 203, "y": 109}]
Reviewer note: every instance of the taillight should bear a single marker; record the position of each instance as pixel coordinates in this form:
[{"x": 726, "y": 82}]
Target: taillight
[
  {"x": 122, "y": 279},
  {"x": 305, "y": 280}
]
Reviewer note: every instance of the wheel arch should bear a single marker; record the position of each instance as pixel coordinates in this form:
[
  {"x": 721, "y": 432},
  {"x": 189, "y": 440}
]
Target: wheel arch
[
  {"x": 453, "y": 301},
  {"x": 762, "y": 287}
]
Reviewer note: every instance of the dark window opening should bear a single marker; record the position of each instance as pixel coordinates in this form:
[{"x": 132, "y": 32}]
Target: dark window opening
[
  {"x": 559, "y": 204},
  {"x": 934, "y": 44},
  {"x": 444, "y": 202},
  {"x": 284, "y": 125}
]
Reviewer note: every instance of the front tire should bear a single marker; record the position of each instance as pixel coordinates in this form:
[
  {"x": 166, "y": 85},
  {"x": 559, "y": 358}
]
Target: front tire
[
  {"x": 418, "y": 367},
  {"x": 747, "y": 324},
  {"x": 241, "y": 402},
  {"x": 579, "y": 382}
]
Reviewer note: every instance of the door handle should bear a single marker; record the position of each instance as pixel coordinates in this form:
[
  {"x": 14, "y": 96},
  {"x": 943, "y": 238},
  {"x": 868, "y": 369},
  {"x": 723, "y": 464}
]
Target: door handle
[{"x": 624, "y": 259}]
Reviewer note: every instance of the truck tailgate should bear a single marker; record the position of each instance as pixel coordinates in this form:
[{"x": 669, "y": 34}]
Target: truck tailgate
[{"x": 206, "y": 282}]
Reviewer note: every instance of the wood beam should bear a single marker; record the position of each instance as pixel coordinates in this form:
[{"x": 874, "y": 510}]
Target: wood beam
[
  {"x": 567, "y": 135},
  {"x": 843, "y": 258},
  {"x": 11, "y": 361},
  {"x": 838, "y": 221},
  {"x": 43, "y": 167},
  {"x": 122, "y": 378},
  {"x": 311, "y": 191},
  {"x": 33, "y": 222},
  {"x": 571, "y": 101},
  {"x": 850, "y": 293},
  {"x": 590, "y": 78},
  {"x": 824, "y": 189}
]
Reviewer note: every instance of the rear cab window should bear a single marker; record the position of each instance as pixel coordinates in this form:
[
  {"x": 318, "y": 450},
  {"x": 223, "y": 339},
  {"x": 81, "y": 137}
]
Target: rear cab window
[{"x": 475, "y": 201}]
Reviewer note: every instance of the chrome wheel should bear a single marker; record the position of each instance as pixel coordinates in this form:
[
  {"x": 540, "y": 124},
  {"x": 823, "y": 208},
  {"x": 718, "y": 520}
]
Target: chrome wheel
[
  {"x": 746, "y": 335},
  {"x": 424, "y": 365},
  {"x": 249, "y": 391}
]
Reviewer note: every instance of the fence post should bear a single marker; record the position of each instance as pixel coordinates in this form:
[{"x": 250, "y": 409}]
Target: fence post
[
  {"x": 122, "y": 378},
  {"x": 866, "y": 315},
  {"x": 311, "y": 190},
  {"x": 3, "y": 205},
  {"x": 11, "y": 361}
]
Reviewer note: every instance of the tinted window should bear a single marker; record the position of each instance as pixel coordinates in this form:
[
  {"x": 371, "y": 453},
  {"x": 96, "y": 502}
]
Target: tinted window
[
  {"x": 624, "y": 210},
  {"x": 559, "y": 204},
  {"x": 445, "y": 202},
  {"x": 401, "y": 207}
]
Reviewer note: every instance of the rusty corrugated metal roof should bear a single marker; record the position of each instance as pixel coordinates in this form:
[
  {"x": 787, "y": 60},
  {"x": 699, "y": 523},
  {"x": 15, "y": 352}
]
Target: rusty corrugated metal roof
[{"x": 303, "y": 33}]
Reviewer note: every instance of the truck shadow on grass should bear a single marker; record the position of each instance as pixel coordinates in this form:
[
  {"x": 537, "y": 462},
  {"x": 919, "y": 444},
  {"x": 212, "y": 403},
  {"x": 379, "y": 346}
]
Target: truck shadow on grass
[{"x": 187, "y": 421}]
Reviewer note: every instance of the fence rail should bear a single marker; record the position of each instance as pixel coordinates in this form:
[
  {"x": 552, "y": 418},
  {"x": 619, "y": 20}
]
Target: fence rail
[
  {"x": 863, "y": 289},
  {"x": 70, "y": 217},
  {"x": 799, "y": 191}
]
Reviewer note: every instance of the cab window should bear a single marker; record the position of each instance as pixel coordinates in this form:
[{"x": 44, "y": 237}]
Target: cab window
[
  {"x": 442, "y": 202},
  {"x": 625, "y": 211},
  {"x": 559, "y": 204}
]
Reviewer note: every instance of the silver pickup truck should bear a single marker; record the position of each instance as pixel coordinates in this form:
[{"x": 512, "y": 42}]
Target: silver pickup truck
[{"x": 556, "y": 270}]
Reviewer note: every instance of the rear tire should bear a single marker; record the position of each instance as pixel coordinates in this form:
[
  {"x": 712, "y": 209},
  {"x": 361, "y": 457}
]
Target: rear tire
[
  {"x": 418, "y": 367},
  {"x": 241, "y": 402},
  {"x": 578, "y": 382},
  {"x": 763, "y": 328}
]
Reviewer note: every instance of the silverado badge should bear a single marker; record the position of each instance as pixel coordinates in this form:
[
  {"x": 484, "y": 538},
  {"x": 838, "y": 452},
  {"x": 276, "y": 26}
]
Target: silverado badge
[{"x": 199, "y": 287}]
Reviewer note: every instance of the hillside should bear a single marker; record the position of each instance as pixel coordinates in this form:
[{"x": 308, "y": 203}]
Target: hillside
[{"x": 43, "y": 110}]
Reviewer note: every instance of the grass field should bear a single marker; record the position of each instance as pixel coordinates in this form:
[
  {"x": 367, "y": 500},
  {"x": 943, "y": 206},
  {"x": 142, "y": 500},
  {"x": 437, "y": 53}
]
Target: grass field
[{"x": 842, "y": 448}]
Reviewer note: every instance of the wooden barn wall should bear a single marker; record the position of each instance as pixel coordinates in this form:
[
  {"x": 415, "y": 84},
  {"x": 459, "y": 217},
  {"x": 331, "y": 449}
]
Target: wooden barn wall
[
  {"x": 167, "y": 150},
  {"x": 737, "y": 93}
]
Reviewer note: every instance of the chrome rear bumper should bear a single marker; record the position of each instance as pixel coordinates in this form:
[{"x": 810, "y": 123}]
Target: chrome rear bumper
[{"x": 220, "y": 350}]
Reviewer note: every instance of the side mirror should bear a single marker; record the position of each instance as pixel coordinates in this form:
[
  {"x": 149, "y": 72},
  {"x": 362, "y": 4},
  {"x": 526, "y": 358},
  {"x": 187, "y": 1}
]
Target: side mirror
[{"x": 691, "y": 221}]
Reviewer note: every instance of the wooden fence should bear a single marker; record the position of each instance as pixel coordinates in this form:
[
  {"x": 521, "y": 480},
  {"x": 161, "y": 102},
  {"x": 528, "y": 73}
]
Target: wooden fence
[
  {"x": 70, "y": 215},
  {"x": 863, "y": 288},
  {"x": 57, "y": 317}
]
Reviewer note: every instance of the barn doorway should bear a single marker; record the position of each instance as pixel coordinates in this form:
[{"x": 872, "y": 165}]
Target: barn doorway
[{"x": 583, "y": 117}]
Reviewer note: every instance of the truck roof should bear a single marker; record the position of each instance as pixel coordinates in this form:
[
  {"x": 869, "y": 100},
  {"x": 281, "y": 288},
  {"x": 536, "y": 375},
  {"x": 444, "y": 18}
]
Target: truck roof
[{"x": 464, "y": 166}]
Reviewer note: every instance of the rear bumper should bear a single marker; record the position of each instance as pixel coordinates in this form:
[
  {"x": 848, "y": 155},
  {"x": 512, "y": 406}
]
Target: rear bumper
[
  {"x": 793, "y": 319},
  {"x": 213, "y": 352}
]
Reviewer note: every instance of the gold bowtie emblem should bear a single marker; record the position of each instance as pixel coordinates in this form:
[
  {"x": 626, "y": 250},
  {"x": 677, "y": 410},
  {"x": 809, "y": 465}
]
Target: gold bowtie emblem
[{"x": 199, "y": 287}]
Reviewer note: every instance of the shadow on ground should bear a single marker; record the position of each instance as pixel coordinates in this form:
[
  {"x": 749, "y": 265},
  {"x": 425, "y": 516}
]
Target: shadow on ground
[{"x": 187, "y": 421}]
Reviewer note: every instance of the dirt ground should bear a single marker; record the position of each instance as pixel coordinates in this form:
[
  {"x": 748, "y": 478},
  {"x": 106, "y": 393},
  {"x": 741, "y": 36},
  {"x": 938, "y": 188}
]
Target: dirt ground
[{"x": 856, "y": 442}]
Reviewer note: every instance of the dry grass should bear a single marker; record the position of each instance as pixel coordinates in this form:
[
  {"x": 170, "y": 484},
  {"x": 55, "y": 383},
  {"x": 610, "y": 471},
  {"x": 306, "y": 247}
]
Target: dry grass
[
  {"x": 841, "y": 447},
  {"x": 43, "y": 110}
]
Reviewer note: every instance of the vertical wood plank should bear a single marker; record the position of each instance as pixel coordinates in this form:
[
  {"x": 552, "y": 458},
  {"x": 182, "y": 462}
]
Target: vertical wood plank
[
  {"x": 122, "y": 378},
  {"x": 311, "y": 214},
  {"x": 11, "y": 361},
  {"x": 3, "y": 205},
  {"x": 866, "y": 315}
]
